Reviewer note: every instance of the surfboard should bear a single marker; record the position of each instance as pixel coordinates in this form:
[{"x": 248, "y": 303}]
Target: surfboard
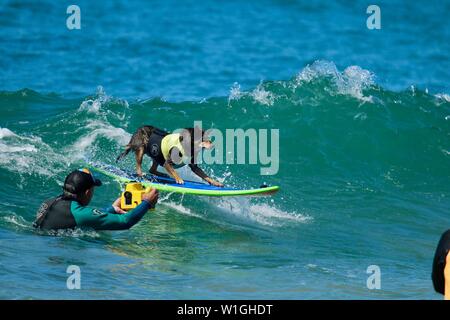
[{"x": 169, "y": 185}]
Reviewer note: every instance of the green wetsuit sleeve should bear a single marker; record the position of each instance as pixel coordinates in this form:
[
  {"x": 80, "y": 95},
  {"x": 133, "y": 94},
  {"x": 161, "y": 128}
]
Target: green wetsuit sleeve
[{"x": 104, "y": 219}]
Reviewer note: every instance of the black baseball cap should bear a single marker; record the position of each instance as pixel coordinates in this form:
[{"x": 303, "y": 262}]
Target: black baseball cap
[{"x": 80, "y": 180}]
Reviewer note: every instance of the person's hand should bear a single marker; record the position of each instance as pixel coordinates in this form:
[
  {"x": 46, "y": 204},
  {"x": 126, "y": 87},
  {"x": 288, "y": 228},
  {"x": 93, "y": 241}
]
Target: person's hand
[
  {"x": 151, "y": 197},
  {"x": 214, "y": 182},
  {"x": 116, "y": 206}
]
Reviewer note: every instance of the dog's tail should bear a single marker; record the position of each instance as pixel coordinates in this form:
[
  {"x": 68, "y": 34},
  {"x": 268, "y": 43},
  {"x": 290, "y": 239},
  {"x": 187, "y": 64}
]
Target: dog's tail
[{"x": 124, "y": 153}]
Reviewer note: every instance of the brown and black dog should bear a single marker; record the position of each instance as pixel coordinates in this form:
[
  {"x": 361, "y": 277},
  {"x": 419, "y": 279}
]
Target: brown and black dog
[{"x": 169, "y": 150}]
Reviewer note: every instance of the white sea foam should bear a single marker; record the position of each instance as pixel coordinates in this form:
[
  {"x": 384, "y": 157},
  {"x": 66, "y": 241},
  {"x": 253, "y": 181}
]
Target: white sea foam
[
  {"x": 99, "y": 126},
  {"x": 27, "y": 154},
  {"x": 75, "y": 233},
  {"x": 443, "y": 97},
  {"x": 16, "y": 221},
  {"x": 360, "y": 116},
  {"x": 262, "y": 96},
  {"x": 259, "y": 94},
  {"x": 262, "y": 213},
  {"x": 95, "y": 105},
  {"x": 5, "y": 132},
  {"x": 245, "y": 208},
  {"x": 235, "y": 92},
  {"x": 14, "y": 149},
  {"x": 182, "y": 209},
  {"x": 316, "y": 70},
  {"x": 352, "y": 81},
  {"x": 97, "y": 129}
]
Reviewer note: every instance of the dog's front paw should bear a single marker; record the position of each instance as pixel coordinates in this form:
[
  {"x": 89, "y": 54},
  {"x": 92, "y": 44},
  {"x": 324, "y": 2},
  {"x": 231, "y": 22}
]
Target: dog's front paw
[
  {"x": 217, "y": 184},
  {"x": 214, "y": 182},
  {"x": 179, "y": 181}
]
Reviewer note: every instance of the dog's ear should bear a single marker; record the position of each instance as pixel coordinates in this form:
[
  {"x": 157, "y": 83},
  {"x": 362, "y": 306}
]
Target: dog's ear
[
  {"x": 199, "y": 132},
  {"x": 185, "y": 135}
]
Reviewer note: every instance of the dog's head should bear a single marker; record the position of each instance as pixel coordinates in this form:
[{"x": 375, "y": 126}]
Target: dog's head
[{"x": 195, "y": 139}]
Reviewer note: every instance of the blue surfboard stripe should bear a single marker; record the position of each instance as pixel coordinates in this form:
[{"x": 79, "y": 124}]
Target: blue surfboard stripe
[{"x": 157, "y": 180}]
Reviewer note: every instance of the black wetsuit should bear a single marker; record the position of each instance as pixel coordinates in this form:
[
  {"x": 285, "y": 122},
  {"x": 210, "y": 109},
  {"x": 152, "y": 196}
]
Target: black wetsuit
[{"x": 153, "y": 147}]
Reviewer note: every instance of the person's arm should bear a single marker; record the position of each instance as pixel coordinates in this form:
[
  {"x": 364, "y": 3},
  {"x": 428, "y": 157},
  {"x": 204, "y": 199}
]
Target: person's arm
[
  {"x": 447, "y": 277},
  {"x": 111, "y": 209},
  {"x": 106, "y": 220}
]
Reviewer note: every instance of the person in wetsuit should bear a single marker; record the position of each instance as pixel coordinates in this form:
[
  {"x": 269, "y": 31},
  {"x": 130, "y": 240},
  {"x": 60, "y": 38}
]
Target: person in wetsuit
[
  {"x": 441, "y": 266},
  {"x": 70, "y": 210}
]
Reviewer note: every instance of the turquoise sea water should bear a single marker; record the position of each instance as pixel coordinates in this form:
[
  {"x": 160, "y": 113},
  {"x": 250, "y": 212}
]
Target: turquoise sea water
[{"x": 364, "y": 119}]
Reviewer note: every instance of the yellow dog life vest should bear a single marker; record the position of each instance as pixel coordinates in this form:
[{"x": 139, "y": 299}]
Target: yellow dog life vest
[{"x": 170, "y": 141}]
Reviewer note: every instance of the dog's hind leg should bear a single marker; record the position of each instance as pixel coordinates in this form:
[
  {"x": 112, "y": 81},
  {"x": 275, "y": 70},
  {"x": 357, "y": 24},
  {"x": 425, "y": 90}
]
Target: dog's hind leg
[{"x": 139, "y": 153}]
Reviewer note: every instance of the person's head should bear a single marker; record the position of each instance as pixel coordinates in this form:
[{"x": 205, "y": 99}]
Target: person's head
[{"x": 79, "y": 185}]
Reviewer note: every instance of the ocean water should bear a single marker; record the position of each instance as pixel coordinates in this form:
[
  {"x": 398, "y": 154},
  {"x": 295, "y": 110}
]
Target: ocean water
[{"x": 364, "y": 120}]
